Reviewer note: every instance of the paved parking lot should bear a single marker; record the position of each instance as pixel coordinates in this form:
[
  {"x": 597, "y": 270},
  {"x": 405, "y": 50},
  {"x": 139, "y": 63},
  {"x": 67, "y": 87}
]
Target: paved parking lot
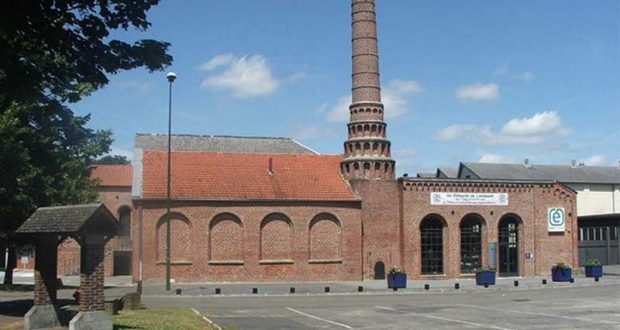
[{"x": 586, "y": 307}]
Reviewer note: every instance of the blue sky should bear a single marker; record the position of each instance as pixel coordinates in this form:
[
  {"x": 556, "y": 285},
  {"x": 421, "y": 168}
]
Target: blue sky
[{"x": 495, "y": 81}]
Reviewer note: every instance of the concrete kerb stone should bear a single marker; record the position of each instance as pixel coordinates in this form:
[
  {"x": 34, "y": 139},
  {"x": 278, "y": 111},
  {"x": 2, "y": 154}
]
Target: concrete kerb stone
[
  {"x": 313, "y": 289},
  {"x": 96, "y": 320},
  {"x": 42, "y": 317}
]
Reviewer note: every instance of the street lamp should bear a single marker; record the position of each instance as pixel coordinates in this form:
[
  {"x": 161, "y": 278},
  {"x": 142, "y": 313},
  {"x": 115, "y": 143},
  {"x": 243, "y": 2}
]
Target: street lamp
[{"x": 171, "y": 76}]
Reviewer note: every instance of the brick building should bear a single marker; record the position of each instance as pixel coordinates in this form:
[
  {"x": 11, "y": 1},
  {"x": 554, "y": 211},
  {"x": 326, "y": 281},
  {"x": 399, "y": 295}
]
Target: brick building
[{"x": 271, "y": 209}]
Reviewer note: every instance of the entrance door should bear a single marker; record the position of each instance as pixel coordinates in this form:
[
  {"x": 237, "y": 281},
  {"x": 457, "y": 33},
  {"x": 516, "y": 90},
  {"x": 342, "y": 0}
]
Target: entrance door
[
  {"x": 509, "y": 247},
  {"x": 379, "y": 270}
]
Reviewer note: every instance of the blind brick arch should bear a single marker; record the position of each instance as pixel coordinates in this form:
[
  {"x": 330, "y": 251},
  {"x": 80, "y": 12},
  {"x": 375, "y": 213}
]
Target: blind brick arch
[
  {"x": 276, "y": 235},
  {"x": 325, "y": 238},
  {"x": 180, "y": 237},
  {"x": 225, "y": 238}
]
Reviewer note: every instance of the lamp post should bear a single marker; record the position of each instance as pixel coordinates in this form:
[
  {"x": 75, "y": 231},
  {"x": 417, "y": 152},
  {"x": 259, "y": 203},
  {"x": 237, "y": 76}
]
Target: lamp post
[{"x": 171, "y": 76}]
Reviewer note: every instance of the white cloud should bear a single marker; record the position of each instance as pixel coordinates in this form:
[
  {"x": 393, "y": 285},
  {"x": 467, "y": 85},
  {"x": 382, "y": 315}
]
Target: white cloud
[
  {"x": 536, "y": 129},
  {"x": 596, "y": 160},
  {"x": 244, "y": 76},
  {"x": 218, "y": 61},
  {"x": 495, "y": 158},
  {"x": 404, "y": 153},
  {"x": 313, "y": 132},
  {"x": 339, "y": 112},
  {"x": 525, "y": 76},
  {"x": 478, "y": 92},
  {"x": 501, "y": 70},
  {"x": 396, "y": 98},
  {"x": 296, "y": 76}
]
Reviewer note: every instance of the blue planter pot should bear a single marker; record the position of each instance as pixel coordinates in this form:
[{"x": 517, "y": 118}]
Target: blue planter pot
[
  {"x": 397, "y": 281},
  {"x": 561, "y": 274},
  {"x": 485, "y": 278},
  {"x": 594, "y": 271}
]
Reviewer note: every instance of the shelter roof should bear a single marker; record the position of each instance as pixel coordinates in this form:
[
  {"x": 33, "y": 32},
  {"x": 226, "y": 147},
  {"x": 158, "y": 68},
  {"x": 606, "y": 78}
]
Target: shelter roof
[
  {"x": 245, "y": 176},
  {"x": 71, "y": 219}
]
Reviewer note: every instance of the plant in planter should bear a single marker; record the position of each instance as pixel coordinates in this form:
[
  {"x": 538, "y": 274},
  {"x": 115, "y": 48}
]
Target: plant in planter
[
  {"x": 485, "y": 276},
  {"x": 594, "y": 268},
  {"x": 561, "y": 272},
  {"x": 397, "y": 278}
]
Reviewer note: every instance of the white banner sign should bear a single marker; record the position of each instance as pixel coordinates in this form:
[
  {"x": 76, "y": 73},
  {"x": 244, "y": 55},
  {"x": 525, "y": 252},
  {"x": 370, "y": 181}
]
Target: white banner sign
[
  {"x": 457, "y": 198},
  {"x": 556, "y": 219}
]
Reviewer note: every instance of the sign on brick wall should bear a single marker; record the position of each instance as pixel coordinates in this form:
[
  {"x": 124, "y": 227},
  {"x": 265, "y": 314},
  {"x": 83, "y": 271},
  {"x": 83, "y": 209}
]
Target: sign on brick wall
[
  {"x": 458, "y": 198},
  {"x": 556, "y": 219}
]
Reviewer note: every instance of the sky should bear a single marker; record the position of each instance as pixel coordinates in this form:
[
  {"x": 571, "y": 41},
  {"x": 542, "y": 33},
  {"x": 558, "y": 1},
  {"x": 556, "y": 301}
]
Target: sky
[{"x": 462, "y": 81}]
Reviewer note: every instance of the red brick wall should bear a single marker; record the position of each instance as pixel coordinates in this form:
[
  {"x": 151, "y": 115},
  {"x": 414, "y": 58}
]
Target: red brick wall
[
  {"x": 248, "y": 242},
  {"x": 529, "y": 202},
  {"x": 382, "y": 223},
  {"x": 114, "y": 199}
]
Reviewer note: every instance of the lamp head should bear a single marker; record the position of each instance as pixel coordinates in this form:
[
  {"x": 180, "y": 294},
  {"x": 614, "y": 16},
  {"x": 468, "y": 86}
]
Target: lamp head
[{"x": 171, "y": 76}]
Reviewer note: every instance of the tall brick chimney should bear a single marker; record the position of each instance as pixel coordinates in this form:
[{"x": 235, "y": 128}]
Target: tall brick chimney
[{"x": 367, "y": 153}]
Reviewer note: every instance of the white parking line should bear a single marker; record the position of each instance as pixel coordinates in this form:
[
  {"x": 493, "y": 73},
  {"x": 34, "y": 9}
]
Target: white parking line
[
  {"x": 572, "y": 318},
  {"x": 487, "y": 326},
  {"x": 206, "y": 319},
  {"x": 319, "y": 318}
]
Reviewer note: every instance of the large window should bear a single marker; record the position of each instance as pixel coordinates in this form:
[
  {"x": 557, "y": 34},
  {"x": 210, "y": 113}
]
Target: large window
[
  {"x": 432, "y": 245},
  {"x": 471, "y": 243}
]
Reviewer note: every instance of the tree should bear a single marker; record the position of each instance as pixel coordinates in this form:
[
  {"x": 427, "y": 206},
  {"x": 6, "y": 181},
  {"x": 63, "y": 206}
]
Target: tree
[
  {"x": 52, "y": 54},
  {"x": 112, "y": 160}
]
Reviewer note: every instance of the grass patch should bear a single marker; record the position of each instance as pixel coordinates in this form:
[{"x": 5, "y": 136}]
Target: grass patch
[{"x": 160, "y": 318}]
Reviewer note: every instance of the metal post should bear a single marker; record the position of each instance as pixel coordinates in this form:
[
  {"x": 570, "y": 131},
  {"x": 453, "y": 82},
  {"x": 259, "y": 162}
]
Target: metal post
[{"x": 171, "y": 77}]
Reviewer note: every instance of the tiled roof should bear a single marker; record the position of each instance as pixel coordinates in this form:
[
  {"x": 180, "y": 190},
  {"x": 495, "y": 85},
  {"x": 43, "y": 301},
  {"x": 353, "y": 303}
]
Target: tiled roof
[
  {"x": 70, "y": 219},
  {"x": 113, "y": 175},
  {"x": 236, "y": 176},
  {"x": 564, "y": 174},
  {"x": 214, "y": 143}
]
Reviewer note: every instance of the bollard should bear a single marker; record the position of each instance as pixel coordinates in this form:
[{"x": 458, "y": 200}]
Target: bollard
[
  {"x": 427, "y": 287},
  {"x": 457, "y": 286},
  {"x": 361, "y": 288},
  {"x": 544, "y": 281},
  {"x": 486, "y": 285},
  {"x": 572, "y": 280},
  {"x": 326, "y": 289},
  {"x": 178, "y": 292},
  {"x": 596, "y": 279},
  {"x": 291, "y": 290},
  {"x": 516, "y": 283},
  {"x": 254, "y": 290},
  {"x": 218, "y": 291}
]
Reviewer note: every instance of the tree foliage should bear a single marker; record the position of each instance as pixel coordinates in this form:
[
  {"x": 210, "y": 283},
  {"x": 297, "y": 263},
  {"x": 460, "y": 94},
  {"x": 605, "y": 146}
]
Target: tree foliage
[
  {"x": 112, "y": 160},
  {"x": 52, "y": 54}
]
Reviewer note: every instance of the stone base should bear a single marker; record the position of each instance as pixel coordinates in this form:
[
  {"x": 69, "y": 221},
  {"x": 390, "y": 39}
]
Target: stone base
[
  {"x": 97, "y": 320},
  {"x": 41, "y": 317}
]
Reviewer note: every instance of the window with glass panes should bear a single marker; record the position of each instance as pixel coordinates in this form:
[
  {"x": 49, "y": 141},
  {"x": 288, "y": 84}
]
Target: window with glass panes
[
  {"x": 431, "y": 232},
  {"x": 471, "y": 244}
]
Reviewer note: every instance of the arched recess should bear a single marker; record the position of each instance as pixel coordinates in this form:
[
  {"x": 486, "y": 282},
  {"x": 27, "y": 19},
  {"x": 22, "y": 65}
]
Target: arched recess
[
  {"x": 509, "y": 235},
  {"x": 472, "y": 229},
  {"x": 180, "y": 237},
  {"x": 124, "y": 236},
  {"x": 325, "y": 237},
  {"x": 432, "y": 244},
  {"x": 225, "y": 238},
  {"x": 276, "y": 237}
]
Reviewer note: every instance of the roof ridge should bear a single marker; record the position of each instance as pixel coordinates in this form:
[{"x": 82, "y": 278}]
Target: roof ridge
[{"x": 218, "y": 136}]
